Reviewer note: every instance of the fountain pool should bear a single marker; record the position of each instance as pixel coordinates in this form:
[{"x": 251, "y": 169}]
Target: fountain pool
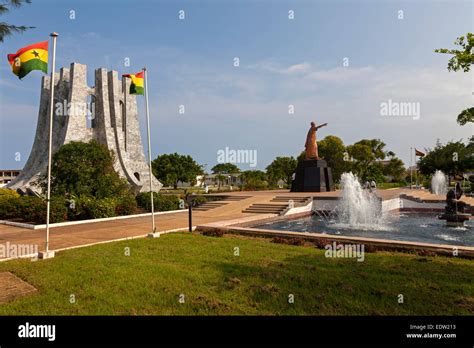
[
  {"x": 359, "y": 213},
  {"x": 410, "y": 227}
]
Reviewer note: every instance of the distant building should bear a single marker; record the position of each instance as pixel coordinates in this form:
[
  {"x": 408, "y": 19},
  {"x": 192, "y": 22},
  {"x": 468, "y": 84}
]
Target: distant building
[
  {"x": 7, "y": 175},
  {"x": 213, "y": 180}
]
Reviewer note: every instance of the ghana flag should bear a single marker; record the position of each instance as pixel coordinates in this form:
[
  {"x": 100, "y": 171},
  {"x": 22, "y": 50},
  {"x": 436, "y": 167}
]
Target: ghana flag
[
  {"x": 136, "y": 87},
  {"x": 32, "y": 57}
]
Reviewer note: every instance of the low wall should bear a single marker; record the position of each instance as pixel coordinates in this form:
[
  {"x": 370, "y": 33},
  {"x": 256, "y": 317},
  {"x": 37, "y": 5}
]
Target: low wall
[
  {"x": 394, "y": 204},
  {"x": 90, "y": 221}
]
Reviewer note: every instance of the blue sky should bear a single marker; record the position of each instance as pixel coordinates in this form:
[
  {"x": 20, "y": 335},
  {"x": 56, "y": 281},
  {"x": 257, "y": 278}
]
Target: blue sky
[{"x": 282, "y": 62}]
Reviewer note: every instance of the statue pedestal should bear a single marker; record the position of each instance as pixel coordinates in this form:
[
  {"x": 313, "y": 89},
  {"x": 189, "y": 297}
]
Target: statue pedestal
[{"x": 312, "y": 176}]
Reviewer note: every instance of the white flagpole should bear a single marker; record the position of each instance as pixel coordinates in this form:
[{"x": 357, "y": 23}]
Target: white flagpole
[
  {"x": 47, "y": 254},
  {"x": 411, "y": 168},
  {"x": 149, "y": 150}
]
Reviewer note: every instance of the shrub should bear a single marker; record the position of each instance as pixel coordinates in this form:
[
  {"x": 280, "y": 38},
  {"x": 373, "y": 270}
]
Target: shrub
[
  {"x": 213, "y": 233},
  {"x": 198, "y": 200},
  {"x": 102, "y": 208},
  {"x": 77, "y": 209},
  {"x": 127, "y": 205},
  {"x": 84, "y": 169},
  {"x": 255, "y": 185},
  {"x": 4, "y": 192},
  {"x": 160, "y": 202},
  {"x": 9, "y": 207},
  {"x": 86, "y": 207},
  {"x": 289, "y": 241},
  {"x": 143, "y": 200},
  {"x": 33, "y": 209}
]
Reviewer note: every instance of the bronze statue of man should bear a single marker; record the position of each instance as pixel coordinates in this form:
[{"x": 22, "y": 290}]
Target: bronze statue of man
[{"x": 311, "y": 144}]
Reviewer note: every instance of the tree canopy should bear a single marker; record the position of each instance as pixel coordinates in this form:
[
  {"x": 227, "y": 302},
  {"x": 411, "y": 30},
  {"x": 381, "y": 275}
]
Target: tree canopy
[
  {"x": 282, "y": 168},
  {"x": 85, "y": 169},
  {"x": 171, "y": 168},
  {"x": 254, "y": 180},
  {"x": 10, "y": 29},
  {"x": 395, "y": 169},
  {"x": 364, "y": 160},
  {"x": 453, "y": 158},
  {"x": 225, "y": 168},
  {"x": 332, "y": 150},
  {"x": 462, "y": 60}
]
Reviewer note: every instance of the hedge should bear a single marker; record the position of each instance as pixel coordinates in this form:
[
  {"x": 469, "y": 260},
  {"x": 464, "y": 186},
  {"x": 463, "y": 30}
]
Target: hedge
[
  {"x": 32, "y": 209},
  {"x": 9, "y": 207},
  {"x": 160, "y": 202}
]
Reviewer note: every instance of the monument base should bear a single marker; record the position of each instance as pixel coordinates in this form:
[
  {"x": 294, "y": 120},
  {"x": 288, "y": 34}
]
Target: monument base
[
  {"x": 44, "y": 255},
  {"x": 154, "y": 235},
  {"x": 312, "y": 176}
]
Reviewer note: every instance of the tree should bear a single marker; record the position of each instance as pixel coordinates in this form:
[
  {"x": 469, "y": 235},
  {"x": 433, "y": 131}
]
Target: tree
[
  {"x": 365, "y": 154},
  {"x": 282, "y": 168},
  {"x": 85, "y": 169},
  {"x": 395, "y": 168},
  {"x": 225, "y": 168},
  {"x": 332, "y": 150},
  {"x": 373, "y": 172},
  {"x": 220, "y": 180},
  {"x": 376, "y": 147},
  {"x": 466, "y": 116},
  {"x": 454, "y": 158},
  {"x": 9, "y": 29},
  {"x": 361, "y": 156},
  {"x": 254, "y": 180},
  {"x": 171, "y": 168},
  {"x": 462, "y": 60}
]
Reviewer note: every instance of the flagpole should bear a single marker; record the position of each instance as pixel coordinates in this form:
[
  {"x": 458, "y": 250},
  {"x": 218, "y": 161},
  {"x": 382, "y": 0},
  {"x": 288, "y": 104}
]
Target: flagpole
[
  {"x": 47, "y": 253},
  {"x": 411, "y": 168},
  {"x": 149, "y": 151}
]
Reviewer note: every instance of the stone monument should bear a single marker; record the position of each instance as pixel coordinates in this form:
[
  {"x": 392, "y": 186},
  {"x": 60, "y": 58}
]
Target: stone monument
[
  {"x": 106, "y": 112},
  {"x": 312, "y": 174}
]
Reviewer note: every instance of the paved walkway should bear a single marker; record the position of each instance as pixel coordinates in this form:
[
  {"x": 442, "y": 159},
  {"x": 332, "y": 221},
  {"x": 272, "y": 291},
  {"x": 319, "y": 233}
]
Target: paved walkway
[{"x": 89, "y": 233}]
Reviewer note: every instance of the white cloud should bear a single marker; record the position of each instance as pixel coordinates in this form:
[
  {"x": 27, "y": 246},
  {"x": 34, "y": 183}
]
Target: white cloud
[{"x": 273, "y": 67}]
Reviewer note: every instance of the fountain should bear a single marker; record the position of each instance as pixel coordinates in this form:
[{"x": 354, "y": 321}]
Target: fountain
[
  {"x": 454, "y": 212},
  {"x": 358, "y": 213},
  {"x": 358, "y": 207},
  {"x": 438, "y": 183}
]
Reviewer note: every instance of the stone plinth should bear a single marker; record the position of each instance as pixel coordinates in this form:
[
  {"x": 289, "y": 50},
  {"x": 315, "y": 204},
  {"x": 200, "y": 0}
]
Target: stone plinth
[{"x": 312, "y": 176}]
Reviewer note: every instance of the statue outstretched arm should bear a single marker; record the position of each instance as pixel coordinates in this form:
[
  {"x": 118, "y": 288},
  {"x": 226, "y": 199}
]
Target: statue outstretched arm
[{"x": 321, "y": 125}]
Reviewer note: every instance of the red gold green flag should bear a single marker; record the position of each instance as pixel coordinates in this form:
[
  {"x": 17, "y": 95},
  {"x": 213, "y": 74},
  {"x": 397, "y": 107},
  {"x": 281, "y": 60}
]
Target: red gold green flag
[
  {"x": 136, "y": 87},
  {"x": 29, "y": 58}
]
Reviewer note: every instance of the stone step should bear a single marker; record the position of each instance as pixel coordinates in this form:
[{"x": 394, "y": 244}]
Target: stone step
[
  {"x": 266, "y": 208},
  {"x": 286, "y": 199}
]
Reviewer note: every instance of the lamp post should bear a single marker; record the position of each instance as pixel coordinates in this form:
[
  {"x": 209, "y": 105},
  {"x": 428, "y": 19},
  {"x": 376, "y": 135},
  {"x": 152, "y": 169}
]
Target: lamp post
[{"x": 190, "y": 200}]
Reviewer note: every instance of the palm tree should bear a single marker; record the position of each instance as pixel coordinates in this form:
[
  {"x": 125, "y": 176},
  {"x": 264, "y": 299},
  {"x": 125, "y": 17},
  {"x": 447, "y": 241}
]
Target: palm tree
[{"x": 10, "y": 29}]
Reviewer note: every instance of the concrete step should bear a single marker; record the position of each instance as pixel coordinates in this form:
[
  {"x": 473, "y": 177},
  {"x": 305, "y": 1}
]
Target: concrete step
[
  {"x": 209, "y": 205},
  {"x": 266, "y": 208},
  {"x": 235, "y": 198},
  {"x": 294, "y": 199}
]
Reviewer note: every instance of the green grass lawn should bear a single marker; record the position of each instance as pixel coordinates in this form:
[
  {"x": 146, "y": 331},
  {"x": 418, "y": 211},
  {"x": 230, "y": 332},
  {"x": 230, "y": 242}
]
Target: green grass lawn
[{"x": 105, "y": 281}]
